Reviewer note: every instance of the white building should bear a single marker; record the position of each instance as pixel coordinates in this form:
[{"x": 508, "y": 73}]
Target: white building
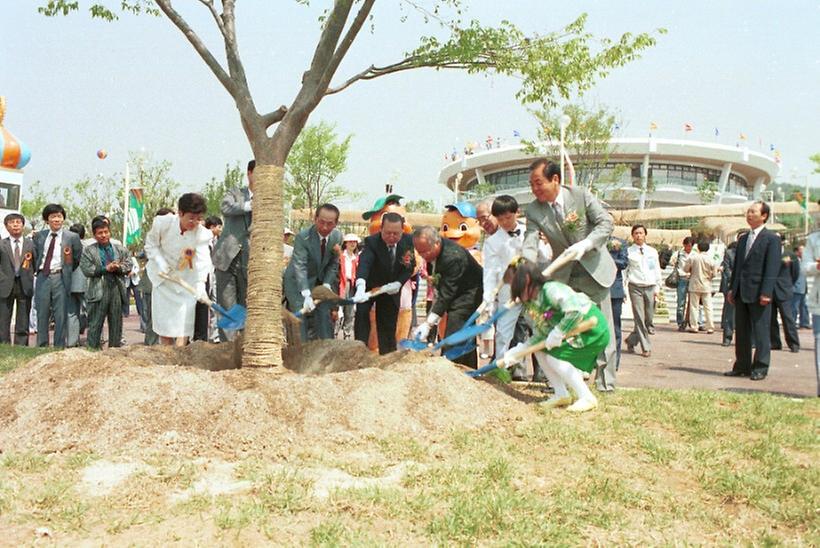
[{"x": 652, "y": 172}]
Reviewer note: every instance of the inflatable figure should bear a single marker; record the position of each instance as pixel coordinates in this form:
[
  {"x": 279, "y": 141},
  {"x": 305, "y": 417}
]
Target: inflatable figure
[
  {"x": 387, "y": 204},
  {"x": 13, "y": 153},
  {"x": 460, "y": 224}
]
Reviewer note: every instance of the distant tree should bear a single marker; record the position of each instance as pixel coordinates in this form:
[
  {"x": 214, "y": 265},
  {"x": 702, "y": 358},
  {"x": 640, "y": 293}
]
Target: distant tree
[
  {"x": 588, "y": 139},
  {"x": 216, "y": 189},
  {"x": 420, "y": 206},
  {"x": 33, "y": 201},
  {"x": 315, "y": 162},
  {"x": 707, "y": 190},
  {"x": 816, "y": 159}
]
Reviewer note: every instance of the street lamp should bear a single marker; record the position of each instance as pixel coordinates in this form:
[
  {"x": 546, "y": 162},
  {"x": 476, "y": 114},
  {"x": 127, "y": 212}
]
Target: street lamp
[{"x": 564, "y": 120}]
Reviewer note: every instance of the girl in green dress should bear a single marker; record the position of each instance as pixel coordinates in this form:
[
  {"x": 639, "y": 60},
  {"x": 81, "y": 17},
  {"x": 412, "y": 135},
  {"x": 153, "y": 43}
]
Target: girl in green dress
[{"x": 555, "y": 310}]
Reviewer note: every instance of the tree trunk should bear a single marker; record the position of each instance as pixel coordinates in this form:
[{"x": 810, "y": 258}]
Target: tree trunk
[{"x": 264, "y": 338}]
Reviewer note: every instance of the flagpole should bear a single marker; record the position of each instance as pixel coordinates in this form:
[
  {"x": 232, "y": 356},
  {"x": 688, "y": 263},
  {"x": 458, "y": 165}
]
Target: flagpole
[
  {"x": 806, "y": 203},
  {"x": 125, "y": 205}
]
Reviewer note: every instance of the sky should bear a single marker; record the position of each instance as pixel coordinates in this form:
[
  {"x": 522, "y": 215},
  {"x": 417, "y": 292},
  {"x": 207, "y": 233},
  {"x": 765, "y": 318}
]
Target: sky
[{"x": 75, "y": 85}]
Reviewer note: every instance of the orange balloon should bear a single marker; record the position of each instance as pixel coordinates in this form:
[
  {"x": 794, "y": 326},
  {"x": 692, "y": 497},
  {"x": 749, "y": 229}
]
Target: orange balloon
[{"x": 102, "y": 154}]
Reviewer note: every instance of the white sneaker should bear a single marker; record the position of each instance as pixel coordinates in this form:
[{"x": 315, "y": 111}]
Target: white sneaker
[
  {"x": 583, "y": 405},
  {"x": 556, "y": 401}
]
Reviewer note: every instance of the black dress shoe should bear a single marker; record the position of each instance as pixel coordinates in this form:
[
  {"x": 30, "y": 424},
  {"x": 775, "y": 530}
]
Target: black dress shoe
[
  {"x": 794, "y": 349},
  {"x": 758, "y": 375},
  {"x": 777, "y": 347},
  {"x": 733, "y": 373}
]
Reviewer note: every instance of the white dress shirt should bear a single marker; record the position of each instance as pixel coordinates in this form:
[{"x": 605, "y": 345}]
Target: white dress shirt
[{"x": 643, "y": 267}]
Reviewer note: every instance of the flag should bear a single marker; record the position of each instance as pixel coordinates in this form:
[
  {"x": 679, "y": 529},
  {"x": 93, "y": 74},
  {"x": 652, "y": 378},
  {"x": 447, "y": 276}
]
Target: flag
[
  {"x": 688, "y": 127},
  {"x": 742, "y": 136},
  {"x": 717, "y": 132},
  {"x": 135, "y": 213},
  {"x": 617, "y": 126},
  {"x": 653, "y": 126},
  {"x": 516, "y": 133},
  {"x": 771, "y": 147}
]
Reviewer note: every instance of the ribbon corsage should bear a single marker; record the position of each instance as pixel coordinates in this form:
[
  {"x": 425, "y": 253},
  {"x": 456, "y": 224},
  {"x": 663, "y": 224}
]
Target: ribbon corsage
[
  {"x": 26, "y": 260},
  {"x": 187, "y": 259},
  {"x": 67, "y": 254}
]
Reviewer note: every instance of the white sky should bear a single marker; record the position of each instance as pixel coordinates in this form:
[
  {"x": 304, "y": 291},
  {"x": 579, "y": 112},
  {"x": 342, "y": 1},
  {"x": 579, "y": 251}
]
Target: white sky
[{"x": 74, "y": 85}]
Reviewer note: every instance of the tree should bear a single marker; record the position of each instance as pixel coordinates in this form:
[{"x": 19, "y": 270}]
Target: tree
[
  {"x": 816, "y": 159},
  {"x": 707, "y": 190},
  {"x": 33, "y": 202},
  {"x": 215, "y": 189},
  {"x": 314, "y": 163},
  {"x": 548, "y": 66},
  {"x": 421, "y": 206},
  {"x": 588, "y": 136}
]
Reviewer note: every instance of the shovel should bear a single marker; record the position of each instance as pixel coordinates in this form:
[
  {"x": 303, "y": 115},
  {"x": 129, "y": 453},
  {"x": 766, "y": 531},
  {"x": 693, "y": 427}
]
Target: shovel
[
  {"x": 583, "y": 326},
  {"x": 233, "y": 319},
  {"x": 322, "y": 294}
]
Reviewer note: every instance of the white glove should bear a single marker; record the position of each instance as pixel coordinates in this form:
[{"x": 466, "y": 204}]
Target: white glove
[
  {"x": 247, "y": 206},
  {"x": 361, "y": 295},
  {"x": 392, "y": 288},
  {"x": 201, "y": 294},
  {"x": 555, "y": 338},
  {"x": 162, "y": 264},
  {"x": 308, "y": 305},
  {"x": 328, "y": 286},
  {"x": 422, "y": 331},
  {"x": 579, "y": 249},
  {"x": 513, "y": 355}
]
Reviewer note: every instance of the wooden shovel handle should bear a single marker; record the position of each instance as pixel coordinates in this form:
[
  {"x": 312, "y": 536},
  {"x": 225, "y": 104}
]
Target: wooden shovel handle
[{"x": 582, "y": 327}]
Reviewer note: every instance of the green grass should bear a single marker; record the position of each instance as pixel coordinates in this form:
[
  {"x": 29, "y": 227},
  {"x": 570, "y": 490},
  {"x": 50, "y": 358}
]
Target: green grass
[
  {"x": 12, "y": 357},
  {"x": 648, "y": 467}
]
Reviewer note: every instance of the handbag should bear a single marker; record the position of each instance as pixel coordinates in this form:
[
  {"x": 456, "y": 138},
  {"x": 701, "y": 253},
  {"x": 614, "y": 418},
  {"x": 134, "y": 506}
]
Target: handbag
[{"x": 671, "y": 280}]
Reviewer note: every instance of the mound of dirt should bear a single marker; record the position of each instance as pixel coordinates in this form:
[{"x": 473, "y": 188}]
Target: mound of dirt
[{"x": 143, "y": 399}]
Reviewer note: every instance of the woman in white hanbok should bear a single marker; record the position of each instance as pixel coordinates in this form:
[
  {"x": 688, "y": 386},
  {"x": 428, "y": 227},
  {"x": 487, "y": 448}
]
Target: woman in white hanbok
[{"x": 177, "y": 245}]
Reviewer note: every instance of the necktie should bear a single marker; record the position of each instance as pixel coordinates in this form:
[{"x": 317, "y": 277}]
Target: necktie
[
  {"x": 49, "y": 255},
  {"x": 559, "y": 213},
  {"x": 16, "y": 256},
  {"x": 514, "y": 233},
  {"x": 641, "y": 249},
  {"x": 392, "y": 255},
  {"x": 749, "y": 243},
  {"x": 323, "y": 247}
]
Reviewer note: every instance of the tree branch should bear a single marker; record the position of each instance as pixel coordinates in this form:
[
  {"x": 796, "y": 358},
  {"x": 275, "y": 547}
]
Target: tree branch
[
  {"x": 274, "y": 117},
  {"x": 199, "y": 46},
  {"x": 217, "y": 19},
  {"x": 345, "y": 44}
]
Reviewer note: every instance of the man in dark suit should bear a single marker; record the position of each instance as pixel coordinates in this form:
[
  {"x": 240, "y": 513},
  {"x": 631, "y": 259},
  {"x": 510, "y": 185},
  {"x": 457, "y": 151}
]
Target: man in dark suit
[
  {"x": 16, "y": 280},
  {"x": 57, "y": 254},
  {"x": 459, "y": 282},
  {"x": 387, "y": 257},
  {"x": 617, "y": 250},
  {"x": 231, "y": 252},
  {"x": 315, "y": 261},
  {"x": 782, "y": 301},
  {"x": 757, "y": 263}
]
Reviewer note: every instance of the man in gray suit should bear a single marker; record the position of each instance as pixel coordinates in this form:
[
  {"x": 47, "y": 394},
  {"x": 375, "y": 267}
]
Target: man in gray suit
[
  {"x": 315, "y": 261},
  {"x": 16, "y": 280},
  {"x": 57, "y": 254},
  {"x": 231, "y": 252},
  {"x": 574, "y": 221}
]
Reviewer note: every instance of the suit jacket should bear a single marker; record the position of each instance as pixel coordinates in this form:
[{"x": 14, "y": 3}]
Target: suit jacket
[
  {"x": 376, "y": 268},
  {"x": 786, "y": 277},
  {"x": 236, "y": 230},
  {"x": 72, "y": 250},
  {"x": 593, "y": 223},
  {"x": 801, "y": 285},
  {"x": 621, "y": 260},
  {"x": 459, "y": 279},
  {"x": 728, "y": 266},
  {"x": 27, "y": 264},
  {"x": 307, "y": 268},
  {"x": 754, "y": 275},
  {"x": 92, "y": 266}
]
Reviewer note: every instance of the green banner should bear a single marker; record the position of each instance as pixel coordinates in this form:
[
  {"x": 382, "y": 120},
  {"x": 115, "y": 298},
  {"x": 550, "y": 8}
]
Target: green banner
[{"x": 135, "y": 212}]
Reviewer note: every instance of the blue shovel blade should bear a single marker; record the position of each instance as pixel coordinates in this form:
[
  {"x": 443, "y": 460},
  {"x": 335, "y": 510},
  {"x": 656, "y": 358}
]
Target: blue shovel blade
[
  {"x": 455, "y": 352},
  {"x": 412, "y": 344},
  {"x": 233, "y": 319},
  {"x": 471, "y": 331},
  {"x": 482, "y": 370}
]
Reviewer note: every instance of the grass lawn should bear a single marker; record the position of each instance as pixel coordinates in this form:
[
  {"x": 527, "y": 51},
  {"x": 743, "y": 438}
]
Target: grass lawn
[
  {"x": 12, "y": 357},
  {"x": 648, "y": 467}
]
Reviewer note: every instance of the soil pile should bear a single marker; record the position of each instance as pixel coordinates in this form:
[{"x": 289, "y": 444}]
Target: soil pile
[{"x": 145, "y": 399}]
